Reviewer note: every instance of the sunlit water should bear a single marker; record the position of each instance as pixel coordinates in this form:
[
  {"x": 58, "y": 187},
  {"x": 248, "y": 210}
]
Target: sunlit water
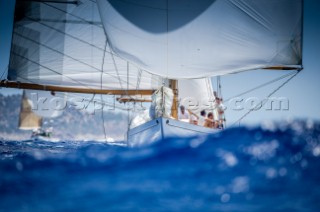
[{"x": 276, "y": 167}]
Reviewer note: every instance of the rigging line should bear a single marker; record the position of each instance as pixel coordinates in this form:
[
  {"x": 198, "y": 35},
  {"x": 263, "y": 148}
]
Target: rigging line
[
  {"x": 76, "y": 81},
  {"x": 138, "y": 80},
  {"x": 76, "y": 2},
  {"x": 83, "y": 63},
  {"x": 64, "y": 33},
  {"x": 212, "y": 81},
  {"x": 96, "y": 101},
  {"x": 116, "y": 68},
  {"x": 260, "y": 86},
  {"x": 127, "y": 78},
  {"x": 302, "y": 27},
  {"x": 209, "y": 93},
  {"x": 220, "y": 91},
  {"x": 3, "y": 72},
  {"x": 75, "y": 16},
  {"x": 208, "y": 88},
  {"x": 102, "y": 112},
  {"x": 127, "y": 95},
  {"x": 263, "y": 102},
  {"x": 167, "y": 35},
  {"x": 65, "y": 21},
  {"x": 217, "y": 85}
]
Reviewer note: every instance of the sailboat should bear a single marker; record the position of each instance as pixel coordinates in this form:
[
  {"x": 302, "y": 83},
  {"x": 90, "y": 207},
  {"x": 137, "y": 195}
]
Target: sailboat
[
  {"x": 31, "y": 117},
  {"x": 29, "y": 120},
  {"x": 135, "y": 49}
]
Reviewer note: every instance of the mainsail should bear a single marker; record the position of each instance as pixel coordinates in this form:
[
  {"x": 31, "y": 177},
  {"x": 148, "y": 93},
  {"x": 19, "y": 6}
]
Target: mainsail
[
  {"x": 196, "y": 94},
  {"x": 64, "y": 44}
]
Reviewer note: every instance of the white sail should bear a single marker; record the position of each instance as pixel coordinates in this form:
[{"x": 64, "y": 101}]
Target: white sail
[
  {"x": 28, "y": 120},
  {"x": 64, "y": 44},
  {"x": 196, "y": 94},
  {"x": 135, "y": 44},
  {"x": 193, "y": 39}
]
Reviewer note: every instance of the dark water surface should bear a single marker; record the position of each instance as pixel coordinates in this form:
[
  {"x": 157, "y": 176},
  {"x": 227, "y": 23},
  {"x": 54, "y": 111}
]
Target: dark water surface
[{"x": 242, "y": 169}]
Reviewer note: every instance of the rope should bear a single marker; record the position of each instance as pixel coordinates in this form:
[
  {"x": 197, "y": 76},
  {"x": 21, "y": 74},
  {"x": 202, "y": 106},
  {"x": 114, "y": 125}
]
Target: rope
[
  {"x": 260, "y": 86},
  {"x": 219, "y": 84},
  {"x": 102, "y": 112},
  {"x": 116, "y": 68},
  {"x": 128, "y": 102},
  {"x": 263, "y": 102},
  {"x": 167, "y": 36},
  {"x": 138, "y": 80},
  {"x": 3, "y": 72}
]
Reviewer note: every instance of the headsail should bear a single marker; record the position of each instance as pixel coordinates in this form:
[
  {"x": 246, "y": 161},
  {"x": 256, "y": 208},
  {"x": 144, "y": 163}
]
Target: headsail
[
  {"x": 193, "y": 39},
  {"x": 45, "y": 104},
  {"x": 28, "y": 120}
]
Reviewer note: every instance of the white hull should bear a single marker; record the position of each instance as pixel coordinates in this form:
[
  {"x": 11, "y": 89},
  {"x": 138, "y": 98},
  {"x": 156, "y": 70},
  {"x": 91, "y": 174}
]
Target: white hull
[{"x": 162, "y": 128}]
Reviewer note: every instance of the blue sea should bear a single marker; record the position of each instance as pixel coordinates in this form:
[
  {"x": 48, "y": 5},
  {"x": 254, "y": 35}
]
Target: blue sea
[{"x": 267, "y": 168}]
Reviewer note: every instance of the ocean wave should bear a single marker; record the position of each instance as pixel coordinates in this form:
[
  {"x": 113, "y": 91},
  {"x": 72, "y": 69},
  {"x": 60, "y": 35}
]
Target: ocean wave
[{"x": 271, "y": 167}]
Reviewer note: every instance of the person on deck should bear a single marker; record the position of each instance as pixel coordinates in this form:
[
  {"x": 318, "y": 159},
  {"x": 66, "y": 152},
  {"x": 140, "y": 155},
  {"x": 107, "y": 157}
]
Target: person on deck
[
  {"x": 209, "y": 122},
  {"x": 183, "y": 114},
  {"x": 202, "y": 118},
  {"x": 193, "y": 117}
]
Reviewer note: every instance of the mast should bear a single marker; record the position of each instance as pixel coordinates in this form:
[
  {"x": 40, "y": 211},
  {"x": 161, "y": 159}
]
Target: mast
[{"x": 173, "y": 84}]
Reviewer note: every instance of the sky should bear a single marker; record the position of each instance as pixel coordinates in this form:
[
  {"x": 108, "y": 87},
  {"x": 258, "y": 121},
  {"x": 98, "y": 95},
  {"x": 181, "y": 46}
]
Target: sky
[{"x": 301, "y": 92}]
